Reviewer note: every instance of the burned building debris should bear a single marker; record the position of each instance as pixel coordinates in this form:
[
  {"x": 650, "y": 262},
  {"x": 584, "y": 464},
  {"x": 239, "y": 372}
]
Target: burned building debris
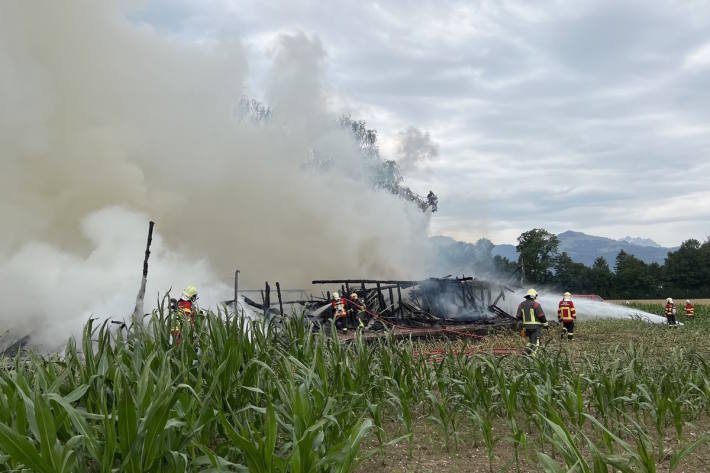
[{"x": 462, "y": 302}]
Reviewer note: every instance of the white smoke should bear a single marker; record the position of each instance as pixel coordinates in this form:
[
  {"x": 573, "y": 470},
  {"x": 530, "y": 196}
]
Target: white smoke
[
  {"x": 415, "y": 146},
  {"x": 106, "y": 123}
]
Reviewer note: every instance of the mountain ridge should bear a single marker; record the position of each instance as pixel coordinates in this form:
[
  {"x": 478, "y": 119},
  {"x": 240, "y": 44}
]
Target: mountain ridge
[{"x": 581, "y": 247}]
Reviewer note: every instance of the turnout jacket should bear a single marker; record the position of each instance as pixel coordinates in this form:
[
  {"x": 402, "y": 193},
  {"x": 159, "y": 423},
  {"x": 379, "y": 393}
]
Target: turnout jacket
[
  {"x": 531, "y": 313},
  {"x": 670, "y": 309},
  {"x": 186, "y": 308},
  {"x": 566, "y": 311},
  {"x": 689, "y": 310},
  {"x": 338, "y": 306}
]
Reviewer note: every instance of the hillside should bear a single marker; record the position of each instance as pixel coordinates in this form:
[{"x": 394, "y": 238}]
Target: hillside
[{"x": 579, "y": 246}]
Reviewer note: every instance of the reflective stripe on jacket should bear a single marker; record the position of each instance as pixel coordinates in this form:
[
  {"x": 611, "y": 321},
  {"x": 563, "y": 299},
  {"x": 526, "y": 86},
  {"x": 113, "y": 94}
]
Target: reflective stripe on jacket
[
  {"x": 339, "y": 307},
  {"x": 670, "y": 309},
  {"x": 530, "y": 311},
  {"x": 566, "y": 311},
  {"x": 689, "y": 310}
]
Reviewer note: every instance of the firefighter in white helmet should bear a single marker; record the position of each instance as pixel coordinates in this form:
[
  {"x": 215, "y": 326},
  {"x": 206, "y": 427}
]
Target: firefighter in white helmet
[
  {"x": 339, "y": 311},
  {"x": 533, "y": 317},
  {"x": 689, "y": 310},
  {"x": 670, "y": 312},
  {"x": 567, "y": 315}
]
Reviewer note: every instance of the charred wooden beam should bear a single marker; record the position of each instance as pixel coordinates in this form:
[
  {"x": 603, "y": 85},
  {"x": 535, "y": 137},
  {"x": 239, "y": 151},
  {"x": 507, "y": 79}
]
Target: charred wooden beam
[{"x": 278, "y": 293}]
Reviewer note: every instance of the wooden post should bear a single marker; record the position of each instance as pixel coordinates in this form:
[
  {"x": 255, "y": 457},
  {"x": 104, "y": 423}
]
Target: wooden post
[
  {"x": 399, "y": 298},
  {"x": 391, "y": 300},
  {"x": 347, "y": 289},
  {"x": 380, "y": 297},
  {"x": 278, "y": 292},
  {"x": 267, "y": 297},
  {"x": 138, "y": 309},
  {"x": 236, "y": 291}
]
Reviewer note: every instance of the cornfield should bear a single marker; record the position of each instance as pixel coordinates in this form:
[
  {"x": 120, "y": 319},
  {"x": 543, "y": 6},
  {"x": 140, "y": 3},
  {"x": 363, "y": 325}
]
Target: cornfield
[{"x": 240, "y": 395}]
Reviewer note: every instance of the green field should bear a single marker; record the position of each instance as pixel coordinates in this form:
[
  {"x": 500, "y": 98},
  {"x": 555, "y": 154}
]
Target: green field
[{"x": 625, "y": 396}]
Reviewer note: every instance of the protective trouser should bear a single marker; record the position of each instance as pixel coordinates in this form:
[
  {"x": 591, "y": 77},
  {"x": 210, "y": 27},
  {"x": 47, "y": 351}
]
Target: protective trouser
[
  {"x": 671, "y": 320},
  {"x": 568, "y": 328},
  {"x": 533, "y": 334}
]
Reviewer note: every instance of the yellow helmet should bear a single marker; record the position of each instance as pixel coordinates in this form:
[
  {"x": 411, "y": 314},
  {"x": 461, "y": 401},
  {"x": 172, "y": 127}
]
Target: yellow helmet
[
  {"x": 532, "y": 293},
  {"x": 353, "y": 296},
  {"x": 189, "y": 292}
]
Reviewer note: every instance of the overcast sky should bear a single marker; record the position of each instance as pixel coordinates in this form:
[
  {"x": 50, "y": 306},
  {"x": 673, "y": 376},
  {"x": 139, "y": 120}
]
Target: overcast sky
[{"x": 584, "y": 115}]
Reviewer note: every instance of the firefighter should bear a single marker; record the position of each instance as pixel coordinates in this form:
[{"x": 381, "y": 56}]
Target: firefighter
[
  {"x": 567, "y": 315},
  {"x": 689, "y": 310},
  {"x": 670, "y": 312},
  {"x": 186, "y": 307},
  {"x": 357, "y": 310},
  {"x": 531, "y": 313},
  {"x": 339, "y": 311}
]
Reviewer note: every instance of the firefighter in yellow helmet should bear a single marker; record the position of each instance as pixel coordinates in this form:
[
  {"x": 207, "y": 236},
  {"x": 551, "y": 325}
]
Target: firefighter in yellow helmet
[
  {"x": 186, "y": 307},
  {"x": 357, "y": 310},
  {"x": 567, "y": 315},
  {"x": 533, "y": 317}
]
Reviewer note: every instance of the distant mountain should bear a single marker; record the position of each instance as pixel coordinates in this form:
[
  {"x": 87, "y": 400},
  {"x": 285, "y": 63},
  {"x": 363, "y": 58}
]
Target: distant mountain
[
  {"x": 581, "y": 247},
  {"x": 585, "y": 248},
  {"x": 506, "y": 251},
  {"x": 641, "y": 241}
]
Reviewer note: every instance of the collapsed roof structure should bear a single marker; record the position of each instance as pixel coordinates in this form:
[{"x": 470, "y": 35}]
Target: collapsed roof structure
[{"x": 463, "y": 302}]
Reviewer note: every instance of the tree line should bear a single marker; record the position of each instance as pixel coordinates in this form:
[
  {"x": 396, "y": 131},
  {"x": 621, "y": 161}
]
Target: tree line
[{"x": 684, "y": 273}]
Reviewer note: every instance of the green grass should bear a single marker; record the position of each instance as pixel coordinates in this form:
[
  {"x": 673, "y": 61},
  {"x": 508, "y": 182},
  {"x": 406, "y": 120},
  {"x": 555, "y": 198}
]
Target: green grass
[{"x": 625, "y": 396}]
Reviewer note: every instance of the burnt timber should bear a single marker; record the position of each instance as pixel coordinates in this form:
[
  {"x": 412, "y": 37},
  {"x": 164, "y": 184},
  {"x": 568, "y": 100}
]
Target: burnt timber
[
  {"x": 442, "y": 307},
  {"x": 425, "y": 307}
]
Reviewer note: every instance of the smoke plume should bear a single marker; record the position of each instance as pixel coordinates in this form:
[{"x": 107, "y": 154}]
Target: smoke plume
[
  {"x": 106, "y": 123},
  {"x": 415, "y": 146}
]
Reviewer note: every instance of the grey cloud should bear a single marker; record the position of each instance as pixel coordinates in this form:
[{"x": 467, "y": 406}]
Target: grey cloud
[{"x": 593, "y": 95}]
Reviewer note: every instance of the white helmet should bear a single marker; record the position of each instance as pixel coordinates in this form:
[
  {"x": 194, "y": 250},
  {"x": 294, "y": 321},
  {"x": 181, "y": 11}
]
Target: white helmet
[
  {"x": 670, "y": 299},
  {"x": 687, "y": 301},
  {"x": 336, "y": 295},
  {"x": 567, "y": 296}
]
